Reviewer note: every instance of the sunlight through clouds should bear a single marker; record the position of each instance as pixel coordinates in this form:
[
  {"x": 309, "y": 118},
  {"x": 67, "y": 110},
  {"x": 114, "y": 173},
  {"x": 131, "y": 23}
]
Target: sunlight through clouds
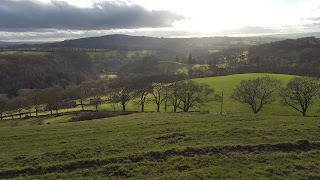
[{"x": 187, "y": 18}]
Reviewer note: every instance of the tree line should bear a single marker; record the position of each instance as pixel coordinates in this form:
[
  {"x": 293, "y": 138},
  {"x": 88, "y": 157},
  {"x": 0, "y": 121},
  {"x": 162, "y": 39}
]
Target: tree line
[{"x": 163, "y": 91}]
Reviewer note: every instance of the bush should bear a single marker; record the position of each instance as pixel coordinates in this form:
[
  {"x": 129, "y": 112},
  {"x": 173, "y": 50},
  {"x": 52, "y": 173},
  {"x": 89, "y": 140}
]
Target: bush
[{"x": 97, "y": 115}]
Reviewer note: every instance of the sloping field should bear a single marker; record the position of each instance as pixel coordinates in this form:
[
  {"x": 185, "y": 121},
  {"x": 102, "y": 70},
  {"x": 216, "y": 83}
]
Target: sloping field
[
  {"x": 165, "y": 146},
  {"x": 227, "y": 84},
  {"x": 275, "y": 144}
]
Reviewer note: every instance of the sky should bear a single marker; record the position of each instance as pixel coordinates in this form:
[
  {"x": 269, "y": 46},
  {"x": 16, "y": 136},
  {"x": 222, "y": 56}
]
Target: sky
[{"x": 56, "y": 20}]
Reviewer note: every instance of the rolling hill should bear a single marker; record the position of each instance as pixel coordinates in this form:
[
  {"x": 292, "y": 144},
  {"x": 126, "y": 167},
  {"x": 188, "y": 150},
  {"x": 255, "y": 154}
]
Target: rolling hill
[
  {"x": 228, "y": 83},
  {"x": 274, "y": 144},
  {"x": 178, "y": 45}
]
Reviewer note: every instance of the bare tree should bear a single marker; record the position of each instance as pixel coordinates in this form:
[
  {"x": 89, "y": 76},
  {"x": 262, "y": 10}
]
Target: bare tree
[
  {"x": 142, "y": 88},
  {"x": 3, "y": 101},
  {"x": 83, "y": 91},
  {"x": 33, "y": 96},
  {"x": 17, "y": 104},
  {"x": 96, "y": 92},
  {"x": 257, "y": 92},
  {"x": 122, "y": 91},
  {"x": 174, "y": 96},
  {"x": 192, "y": 94},
  {"x": 300, "y": 93},
  {"x": 166, "y": 96},
  {"x": 52, "y": 97},
  {"x": 157, "y": 94}
]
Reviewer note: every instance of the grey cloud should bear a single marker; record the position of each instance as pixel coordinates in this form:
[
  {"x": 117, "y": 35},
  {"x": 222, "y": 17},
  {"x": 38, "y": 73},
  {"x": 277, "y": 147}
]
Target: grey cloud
[
  {"x": 20, "y": 16},
  {"x": 314, "y": 19}
]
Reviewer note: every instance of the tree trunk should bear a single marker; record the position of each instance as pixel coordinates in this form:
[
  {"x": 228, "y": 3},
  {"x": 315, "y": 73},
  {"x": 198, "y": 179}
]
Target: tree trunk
[
  {"x": 174, "y": 109},
  {"x": 142, "y": 106},
  {"x": 51, "y": 112},
  {"x": 123, "y": 108},
  {"x": 36, "y": 112},
  {"x": 165, "y": 106},
  {"x": 20, "y": 115},
  {"x": 81, "y": 101},
  {"x": 158, "y": 107},
  {"x": 1, "y": 116},
  {"x": 304, "y": 113}
]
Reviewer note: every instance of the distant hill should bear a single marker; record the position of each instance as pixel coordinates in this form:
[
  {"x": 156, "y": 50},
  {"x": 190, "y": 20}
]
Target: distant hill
[
  {"x": 179, "y": 45},
  {"x": 295, "y": 35},
  {"x": 6, "y": 44},
  {"x": 291, "y": 56},
  {"x": 288, "y": 47},
  {"x": 19, "y": 71}
]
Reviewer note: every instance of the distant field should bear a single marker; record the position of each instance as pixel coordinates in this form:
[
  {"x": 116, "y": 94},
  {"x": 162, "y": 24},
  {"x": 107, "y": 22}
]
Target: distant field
[
  {"x": 91, "y": 53},
  {"x": 25, "y": 52},
  {"x": 173, "y": 67}
]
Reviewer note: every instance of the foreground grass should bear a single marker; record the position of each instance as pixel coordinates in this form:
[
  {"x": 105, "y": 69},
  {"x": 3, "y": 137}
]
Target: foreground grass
[{"x": 134, "y": 146}]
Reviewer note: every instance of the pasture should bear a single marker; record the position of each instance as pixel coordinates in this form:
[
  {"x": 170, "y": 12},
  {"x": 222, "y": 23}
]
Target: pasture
[
  {"x": 275, "y": 144},
  {"x": 165, "y": 146}
]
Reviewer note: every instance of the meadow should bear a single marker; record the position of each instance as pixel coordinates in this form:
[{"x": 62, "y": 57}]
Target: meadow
[
  {"x": 277, "y": 143},
  {"x": 165, "y": 146}
]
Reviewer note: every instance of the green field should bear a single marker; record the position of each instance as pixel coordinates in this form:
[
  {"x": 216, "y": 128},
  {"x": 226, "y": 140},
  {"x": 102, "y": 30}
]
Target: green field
[
  {"x": 228, "y": 83},
  {"x": 173, "y": 67},
  {"x": 163, "y": 146},
  {"x": 277, "y": 143}
]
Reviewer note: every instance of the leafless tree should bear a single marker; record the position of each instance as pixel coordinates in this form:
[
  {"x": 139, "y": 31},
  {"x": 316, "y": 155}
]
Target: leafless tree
[
  {"x": 257, "y": 92},
  {"x": 157, "y": 94},
  {"x": 17, "y": 104},
  {"x": 300, "y": 93},
  {"x": 192, "y": 94}
]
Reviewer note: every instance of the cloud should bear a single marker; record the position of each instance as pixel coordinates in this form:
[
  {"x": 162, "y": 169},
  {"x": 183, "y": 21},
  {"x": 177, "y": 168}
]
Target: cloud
[
  {"x": 252, "y": 30},
  {"x": 314, "y": 19},
  {"x": 31, "y": 15}
]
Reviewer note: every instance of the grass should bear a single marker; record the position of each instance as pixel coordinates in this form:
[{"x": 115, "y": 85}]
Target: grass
[
  {"x": 40, "y": 53},
  {"x": 228, "y": 83},
  {"x": 173, "y": 67},
  {"x": 134, "y": 146},
  {"x": 275, "y": 144}
]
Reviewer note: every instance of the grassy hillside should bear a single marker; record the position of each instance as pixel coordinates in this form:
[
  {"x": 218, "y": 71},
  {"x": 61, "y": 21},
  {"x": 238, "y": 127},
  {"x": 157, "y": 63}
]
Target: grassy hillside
[
  {"x": 275, "y": 144},
  {"x": 164, "y": 146}
]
